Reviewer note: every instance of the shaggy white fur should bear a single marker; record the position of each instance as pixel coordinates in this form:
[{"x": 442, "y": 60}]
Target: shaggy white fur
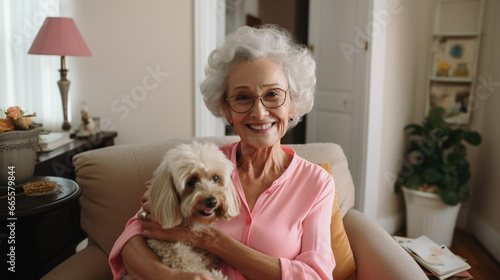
[{"x": 192, "y": 187}]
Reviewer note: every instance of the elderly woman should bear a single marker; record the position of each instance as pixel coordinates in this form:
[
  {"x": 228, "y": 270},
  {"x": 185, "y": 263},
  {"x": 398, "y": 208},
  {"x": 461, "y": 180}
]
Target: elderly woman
[{"x": 261, "y": 82}]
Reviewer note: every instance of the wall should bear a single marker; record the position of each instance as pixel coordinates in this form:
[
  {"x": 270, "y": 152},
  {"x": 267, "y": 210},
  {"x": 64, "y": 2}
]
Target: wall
[
  {"x": 407, "y": 56},
  {"x": 483, "y": 219},
  {"x": 139, "y": 79},
  {"x": 407, "y": 33}
]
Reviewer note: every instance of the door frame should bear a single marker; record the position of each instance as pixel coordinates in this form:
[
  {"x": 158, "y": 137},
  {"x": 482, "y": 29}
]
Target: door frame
[{"x": 209, "y": 29}]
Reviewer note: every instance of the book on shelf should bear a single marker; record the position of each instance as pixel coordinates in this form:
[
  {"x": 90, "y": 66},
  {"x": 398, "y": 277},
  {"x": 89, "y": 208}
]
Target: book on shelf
[
  {"x": 437, "y": 259},
  {"x": 53, "y": 140}
]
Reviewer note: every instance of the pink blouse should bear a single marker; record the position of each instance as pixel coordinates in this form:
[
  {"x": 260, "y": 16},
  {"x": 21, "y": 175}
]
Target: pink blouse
[{"x": 290, "y": 220}]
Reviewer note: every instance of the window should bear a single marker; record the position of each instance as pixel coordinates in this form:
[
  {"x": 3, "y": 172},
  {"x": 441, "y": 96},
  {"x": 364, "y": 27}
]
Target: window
[{"x": 28, "y": 81}]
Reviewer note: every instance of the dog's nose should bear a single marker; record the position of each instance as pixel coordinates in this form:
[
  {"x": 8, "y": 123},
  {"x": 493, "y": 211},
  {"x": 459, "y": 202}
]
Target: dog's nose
[{"x": 210, "y": 202}]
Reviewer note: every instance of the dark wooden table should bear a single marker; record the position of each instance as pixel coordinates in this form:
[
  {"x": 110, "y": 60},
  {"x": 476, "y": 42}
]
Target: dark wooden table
[
  {"x": 39, "y": 232},
  {"x": 59, "y": 161}
]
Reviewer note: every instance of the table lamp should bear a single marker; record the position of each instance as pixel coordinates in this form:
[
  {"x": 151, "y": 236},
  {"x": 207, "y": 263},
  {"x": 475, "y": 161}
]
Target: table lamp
[{"x": 60, "y": 36}]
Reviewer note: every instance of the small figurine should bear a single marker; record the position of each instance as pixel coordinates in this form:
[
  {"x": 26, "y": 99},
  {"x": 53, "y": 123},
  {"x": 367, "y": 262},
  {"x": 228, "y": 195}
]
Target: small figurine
[{"x": 87, "y": 125}]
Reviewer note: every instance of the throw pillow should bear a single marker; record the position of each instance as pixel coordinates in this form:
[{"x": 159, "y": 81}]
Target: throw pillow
[{"x": 345, "y": 266}]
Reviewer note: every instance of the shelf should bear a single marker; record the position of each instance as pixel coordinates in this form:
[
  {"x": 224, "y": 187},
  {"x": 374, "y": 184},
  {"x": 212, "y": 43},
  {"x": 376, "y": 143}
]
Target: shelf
[
  {"x": 456, "y": 34},
  {"x": 453, "y": 59},
  {"x": 450, "y": 80}
]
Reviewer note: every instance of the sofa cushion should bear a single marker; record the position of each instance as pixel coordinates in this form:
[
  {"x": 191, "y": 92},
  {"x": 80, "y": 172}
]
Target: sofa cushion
[{"x": 345, "y": 264}]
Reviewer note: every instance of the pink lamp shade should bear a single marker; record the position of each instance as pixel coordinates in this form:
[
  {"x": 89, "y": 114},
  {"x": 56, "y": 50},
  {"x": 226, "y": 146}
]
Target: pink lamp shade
[{"x": 59, "y": 36}]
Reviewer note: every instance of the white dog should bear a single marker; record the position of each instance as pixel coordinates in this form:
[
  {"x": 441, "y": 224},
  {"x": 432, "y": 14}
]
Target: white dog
[{"x": 192, "y": 187}]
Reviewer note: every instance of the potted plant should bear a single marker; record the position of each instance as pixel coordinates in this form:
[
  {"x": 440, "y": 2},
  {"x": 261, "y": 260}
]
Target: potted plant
[
  {"x": 18, "y": 145},
  {"x": 434, "y": 178}
]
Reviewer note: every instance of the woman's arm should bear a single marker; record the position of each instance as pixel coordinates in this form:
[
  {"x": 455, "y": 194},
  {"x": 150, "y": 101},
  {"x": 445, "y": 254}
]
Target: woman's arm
[
  {"x": 142, "y": 263},
  {"x": 251, "y": 263}
]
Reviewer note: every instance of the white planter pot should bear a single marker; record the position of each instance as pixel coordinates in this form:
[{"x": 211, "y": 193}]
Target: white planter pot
[
  {"x": 18, "y": 151},
  {"x": 427, "y": 214}
]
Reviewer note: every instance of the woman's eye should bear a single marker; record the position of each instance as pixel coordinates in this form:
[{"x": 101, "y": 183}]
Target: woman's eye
[
  {"x": 243, "y": 97},
  {"x": 272, "y": 94},
  {"x": 215, "y": 178}
]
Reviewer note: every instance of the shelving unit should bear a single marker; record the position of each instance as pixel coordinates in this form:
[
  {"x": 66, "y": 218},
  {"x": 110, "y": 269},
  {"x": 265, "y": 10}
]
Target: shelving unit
[{"x": 454, "y": 56}]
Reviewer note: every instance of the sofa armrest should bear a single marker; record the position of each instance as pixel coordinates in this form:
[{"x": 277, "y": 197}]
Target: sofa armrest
[
  {"x": 90, "y": 263},
  {"x": 377, "y": 254}
]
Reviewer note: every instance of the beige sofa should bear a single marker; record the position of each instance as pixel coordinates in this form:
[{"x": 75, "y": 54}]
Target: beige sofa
[{"x": 113, "y": 178}]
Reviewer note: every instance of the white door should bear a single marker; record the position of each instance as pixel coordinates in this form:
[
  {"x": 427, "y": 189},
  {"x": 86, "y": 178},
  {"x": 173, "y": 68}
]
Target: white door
[{"x": 338, "y": 35}]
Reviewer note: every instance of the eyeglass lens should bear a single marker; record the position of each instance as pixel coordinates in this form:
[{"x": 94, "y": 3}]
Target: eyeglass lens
[{"x": 243, "y": 102}]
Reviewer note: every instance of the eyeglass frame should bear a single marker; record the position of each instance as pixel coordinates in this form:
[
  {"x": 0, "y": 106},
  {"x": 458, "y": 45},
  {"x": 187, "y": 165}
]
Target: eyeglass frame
[{"x": 261, "y": 101}]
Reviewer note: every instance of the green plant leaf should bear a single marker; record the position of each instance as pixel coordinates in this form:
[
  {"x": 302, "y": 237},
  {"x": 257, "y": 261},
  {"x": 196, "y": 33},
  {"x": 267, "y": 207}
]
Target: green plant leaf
[
  {"x": 454, "y": 137},
  {"x": 435, "y": 119},
  {"x": 413, "y": 181},
  {"x": 417, "y": 129},
  {"x": 457, "y": 155},
  {"x": 463, "y": 171},
  {"x": 449, "y": 181},
  {"x": 432, "y": 175},
  {"x": 472, "y": 138},
  {"x": 464, "y": 193},
  {"x": 449, "y": 197}
]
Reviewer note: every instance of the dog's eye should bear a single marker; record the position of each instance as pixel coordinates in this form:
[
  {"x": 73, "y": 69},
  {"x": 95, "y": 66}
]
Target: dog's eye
[
  {"x": 191, "y": 182},
  {"x": 215, "y": 178}
]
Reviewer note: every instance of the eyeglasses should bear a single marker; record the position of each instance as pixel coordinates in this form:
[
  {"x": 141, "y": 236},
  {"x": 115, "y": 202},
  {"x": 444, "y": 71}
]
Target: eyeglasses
[{"x": 244, "y": 101}]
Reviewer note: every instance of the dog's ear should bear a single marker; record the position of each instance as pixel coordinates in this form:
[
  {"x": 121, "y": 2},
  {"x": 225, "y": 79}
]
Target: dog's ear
[
  {"x": 164, "y": 200},
  {"x": 233, "y": 201}
]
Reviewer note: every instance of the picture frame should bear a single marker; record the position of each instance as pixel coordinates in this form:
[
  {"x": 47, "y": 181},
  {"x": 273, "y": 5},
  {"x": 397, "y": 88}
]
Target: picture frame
[
  {"x": 453, "y": 57},
  {"x": 455, "y": 98}
]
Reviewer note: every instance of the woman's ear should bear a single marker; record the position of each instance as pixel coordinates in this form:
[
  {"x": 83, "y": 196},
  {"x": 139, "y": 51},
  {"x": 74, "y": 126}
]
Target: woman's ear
[
  {"x": 291, "y": 110},
  {"x": 227, "y": 115}
]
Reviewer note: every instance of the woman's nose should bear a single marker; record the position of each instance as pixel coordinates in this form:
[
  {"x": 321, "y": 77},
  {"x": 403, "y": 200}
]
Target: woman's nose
[{"x": 259, "y": 110}]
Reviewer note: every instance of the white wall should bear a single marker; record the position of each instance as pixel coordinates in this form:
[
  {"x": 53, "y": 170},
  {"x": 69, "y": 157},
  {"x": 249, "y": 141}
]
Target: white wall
[
  {"x": 407, "y": 55},
  {"x": 483, "y": 219},
  {"x": 407, "y": 49},
  {"x": 139, "y": 79}
]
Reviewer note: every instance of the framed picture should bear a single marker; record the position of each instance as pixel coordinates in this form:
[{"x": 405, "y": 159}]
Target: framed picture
[
  {"x": 453, "y": 57},
  {"x": 454, "y": 98}
]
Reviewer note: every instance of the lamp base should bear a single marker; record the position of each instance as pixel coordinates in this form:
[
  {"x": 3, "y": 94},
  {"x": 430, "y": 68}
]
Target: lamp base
[
  {"x": 66, "y": 126},
  {"x": 63, "y": 84}
]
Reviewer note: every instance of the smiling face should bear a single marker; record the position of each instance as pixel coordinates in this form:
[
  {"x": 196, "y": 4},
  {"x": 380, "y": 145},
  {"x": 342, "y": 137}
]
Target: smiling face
[
  {"x": 193, "y": 186},
  {"x": 260, "y": 127}
]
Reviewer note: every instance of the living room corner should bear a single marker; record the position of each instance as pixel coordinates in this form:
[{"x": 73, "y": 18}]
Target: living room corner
[{"x": 112, "y": 74}]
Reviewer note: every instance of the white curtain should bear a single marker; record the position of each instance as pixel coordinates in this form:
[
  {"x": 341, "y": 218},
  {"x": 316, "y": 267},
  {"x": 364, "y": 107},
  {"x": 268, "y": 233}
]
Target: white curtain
[{"x": 26, "y": 80}]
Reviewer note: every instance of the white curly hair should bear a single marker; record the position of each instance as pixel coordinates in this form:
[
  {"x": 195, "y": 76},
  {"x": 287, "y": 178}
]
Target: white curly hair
[{"x": 247, "y": 44}]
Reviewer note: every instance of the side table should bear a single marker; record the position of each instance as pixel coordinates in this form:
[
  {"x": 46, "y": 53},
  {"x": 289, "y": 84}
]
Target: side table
[
  {"x": 59, "y": 161},
  {"x": 39, "y": 232}
]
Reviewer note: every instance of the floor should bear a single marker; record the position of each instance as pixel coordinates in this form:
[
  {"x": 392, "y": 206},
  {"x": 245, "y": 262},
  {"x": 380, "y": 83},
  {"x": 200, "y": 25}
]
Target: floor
[{"x": 484, "y": 265}]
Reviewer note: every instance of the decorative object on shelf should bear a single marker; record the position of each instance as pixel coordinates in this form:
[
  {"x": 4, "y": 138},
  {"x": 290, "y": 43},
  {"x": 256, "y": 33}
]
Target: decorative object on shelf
[
  {"x": 87, "y": 125},
  {"x": 443, "y": 68},
  {"x": 437, "y": 165},
  {"x": 457, "y": 53},
  {"x": 60, "y": 36},
  {"x": 454, "y": 52},
  {"x": 454, "y": 98},
  {"x": 461, "y": 70},
  {"x": 18, "y": 145}
]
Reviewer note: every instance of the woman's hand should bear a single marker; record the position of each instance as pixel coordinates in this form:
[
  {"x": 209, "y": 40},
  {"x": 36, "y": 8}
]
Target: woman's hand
[{"x": 152, "y": 229}]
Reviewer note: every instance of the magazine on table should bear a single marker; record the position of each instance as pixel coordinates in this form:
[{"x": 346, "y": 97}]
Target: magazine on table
[{"x": 438, "y": 259}]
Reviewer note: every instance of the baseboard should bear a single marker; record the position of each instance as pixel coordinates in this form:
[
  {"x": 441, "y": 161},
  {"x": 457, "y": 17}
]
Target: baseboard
[
  {"x": 392, "y": 224},
  {"x": 486, "y": 235}
]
